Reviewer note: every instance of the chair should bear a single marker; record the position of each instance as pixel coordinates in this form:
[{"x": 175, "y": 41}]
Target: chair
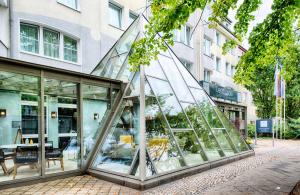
[
  {"x": 2, "y": 162},
  {"x": 53, "y": 154},
  {"x": 26, "y": 155}
]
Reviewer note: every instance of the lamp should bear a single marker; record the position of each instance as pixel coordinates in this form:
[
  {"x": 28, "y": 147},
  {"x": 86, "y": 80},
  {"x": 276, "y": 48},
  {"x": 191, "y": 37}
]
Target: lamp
[
  {"x": 53, "y": 114},
  {"x": 96, "y": 116},
  {"x": 2, "y": 112}
]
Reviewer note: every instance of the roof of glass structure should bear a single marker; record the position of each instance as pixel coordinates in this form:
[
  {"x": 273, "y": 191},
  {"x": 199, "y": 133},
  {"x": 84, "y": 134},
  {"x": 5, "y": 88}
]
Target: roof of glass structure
[{"x": 184, "y": 127}]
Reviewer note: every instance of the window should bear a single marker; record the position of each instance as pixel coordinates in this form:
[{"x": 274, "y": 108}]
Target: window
[
  {"x": 69, "y": 3},
  {"x": 218, "y": 39},
  {"x": 218, "y": 64},
  {"x": 207, "y": 75},
  {"x": 228, "y": 71},
  {"x": 115, "y": 15},
  {"x": 132, "y": 17},
  {"x": 70, "y": 49},
  {"x": 232, "y": 71},
  {"x": 207, "y": 45},
  {"x": 29, "y": 38},
  {"x": 183, "y": 35},
  {"x": 51, "y": 43}
]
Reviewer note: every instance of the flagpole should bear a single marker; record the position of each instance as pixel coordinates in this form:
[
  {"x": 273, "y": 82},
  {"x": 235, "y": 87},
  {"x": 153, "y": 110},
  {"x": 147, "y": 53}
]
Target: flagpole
[{"x": 284, "y": 112}]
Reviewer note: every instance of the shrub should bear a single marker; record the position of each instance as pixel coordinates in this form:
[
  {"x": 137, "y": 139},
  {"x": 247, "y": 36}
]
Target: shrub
[{"x": 251, "y": 130}]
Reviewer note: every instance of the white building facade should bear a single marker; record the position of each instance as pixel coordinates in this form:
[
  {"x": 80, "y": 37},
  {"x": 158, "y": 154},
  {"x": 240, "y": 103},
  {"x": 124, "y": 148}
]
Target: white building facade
[{"x": 76, "y": 34}]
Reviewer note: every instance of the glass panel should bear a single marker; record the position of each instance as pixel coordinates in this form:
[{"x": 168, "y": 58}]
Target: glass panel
[
  {"x": 160, "y": 143},
  {"x": 120, "y": 145},
  {"x": 70, "y": 49},
  {"x": 169, "y": 104},
  {"x": 115, "y": 14},
  {"x": 207, "y": 107},
  {"x": 121, "y": 50},
  {"x": 132, "y": 17},
  {"x": 69, "y": 3},
  {"x": 189, "y": 146},
  {"x": 233, "y": 132},
  {"x": 29, "y": 38},
  {"x": 114, "y": 65},
  {"x": 62, "y": 146},
  {"x": 185, "y": 73},
  {"x": 96, "y": 105},
  {"x": 18, "y": 116},
  {"x": 150, "y": 170},
  {"x": 51, "y": 43},
  {"x": 175, "y": 79},
  {"x": 155, "y": 70},
  {"x": 209, "y": 143},
  {"x": 224, "y": 141}
]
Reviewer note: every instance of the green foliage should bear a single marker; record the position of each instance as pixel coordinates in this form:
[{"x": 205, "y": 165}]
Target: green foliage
[
  {"x": 251, "y": 130},
  {"x": 293, "y": 130}
]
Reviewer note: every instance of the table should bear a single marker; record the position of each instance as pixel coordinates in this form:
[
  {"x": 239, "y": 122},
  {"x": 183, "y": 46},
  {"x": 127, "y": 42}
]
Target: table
[{"x": 14, "y": 146}]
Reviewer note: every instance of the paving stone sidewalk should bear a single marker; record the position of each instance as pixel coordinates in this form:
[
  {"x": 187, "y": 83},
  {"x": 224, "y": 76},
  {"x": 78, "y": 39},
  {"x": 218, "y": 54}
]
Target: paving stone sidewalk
[{"x": 270, "y": 171}]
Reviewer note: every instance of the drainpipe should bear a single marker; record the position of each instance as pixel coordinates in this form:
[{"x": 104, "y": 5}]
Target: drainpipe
[{"x": 10, "y": 29}]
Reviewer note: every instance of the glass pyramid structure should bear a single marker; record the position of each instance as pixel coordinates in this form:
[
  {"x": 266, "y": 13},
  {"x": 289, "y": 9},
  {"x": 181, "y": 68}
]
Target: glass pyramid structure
[{"x": 169, "y": 126}]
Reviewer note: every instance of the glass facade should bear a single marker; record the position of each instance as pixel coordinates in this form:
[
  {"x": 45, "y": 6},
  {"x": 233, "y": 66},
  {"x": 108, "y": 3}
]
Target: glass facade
[
  {"x": 183, "y": 126},
  {"x": 53, "y": 134}
]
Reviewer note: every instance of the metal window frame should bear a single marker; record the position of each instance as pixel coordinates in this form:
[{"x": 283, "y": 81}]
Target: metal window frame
[{"x": 42, "y": 72}]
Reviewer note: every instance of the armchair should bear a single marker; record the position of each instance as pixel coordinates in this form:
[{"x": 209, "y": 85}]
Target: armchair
[
  {"x": 53, "y": 154},
  {"x": 25, "y": 155},
  {"x": 2, "y": 162}
]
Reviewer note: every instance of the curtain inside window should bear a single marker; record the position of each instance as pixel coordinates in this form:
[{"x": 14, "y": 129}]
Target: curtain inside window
[
  {"x": 29, "y": 38},
  {"x": 51, "y": 43},
  {"x": 70, "y": 49}
]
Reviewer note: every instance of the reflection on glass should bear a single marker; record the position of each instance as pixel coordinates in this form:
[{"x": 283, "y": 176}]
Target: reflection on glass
[
  {"x": 234, "y": 134},
  {"x": 96, "y": 105},
  {"x": 175, "y": 79},
  {"x": 160, "y": 144},
  {"x": 189, "y": 146},
  {"x": 209, "y": 143},
  {"x": 207, "y": 107},
  {"x": 169, "y": 104},
  {"x": 155, "y": 70},
  {"x": 121, "y": 144},
  {"x": 224, "y": 141},
  {"x": 150, "y": 169},
  {"x": 19, "y": 140},
  {"x": 62, "y": 147},
  {"x": 185, "y": 73}
]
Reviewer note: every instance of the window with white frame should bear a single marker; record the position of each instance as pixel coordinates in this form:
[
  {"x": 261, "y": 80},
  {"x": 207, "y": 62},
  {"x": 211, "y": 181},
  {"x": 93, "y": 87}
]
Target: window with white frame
[
  {"x": 183, "y": 35},
  {"x": 70, "y": 3},
  {"x": 232, "y": 71},
  {"x": 70, "y": 49},
  {"x": 228, "y": 70},
  {"x": 50, "y": 43},
  {"x": 218, "y": 38},
  {"x": 29, "y": 38},
  {"x": 207, "y": 74},
  {"x": 132, "y": 17},
  {"x": 218, "y": 64},
  {"x": 207, "y": 46},
  {"x": 115, "y": 15}
]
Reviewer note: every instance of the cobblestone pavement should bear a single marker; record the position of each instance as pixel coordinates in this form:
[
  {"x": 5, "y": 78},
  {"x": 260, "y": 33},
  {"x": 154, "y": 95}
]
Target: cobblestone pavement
[{"x": 270, "y": 171}]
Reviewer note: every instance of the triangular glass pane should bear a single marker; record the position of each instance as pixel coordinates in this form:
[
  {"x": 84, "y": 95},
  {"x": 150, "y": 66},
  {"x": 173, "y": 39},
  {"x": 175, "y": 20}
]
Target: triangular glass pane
[
  {"x": 206, "y": 137},
  {"x": 233, "y": 132},
  {"x": 111, "y": 64},
  {"x": 161, "y": 145},
  {"x": 225, "y": 141},
  {"x": 122, "y": 141}
]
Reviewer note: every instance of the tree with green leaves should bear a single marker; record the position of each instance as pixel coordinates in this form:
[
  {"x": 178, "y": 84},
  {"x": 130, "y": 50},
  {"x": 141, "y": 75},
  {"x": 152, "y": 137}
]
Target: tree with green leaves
[{"x": 276, "y": 36}]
